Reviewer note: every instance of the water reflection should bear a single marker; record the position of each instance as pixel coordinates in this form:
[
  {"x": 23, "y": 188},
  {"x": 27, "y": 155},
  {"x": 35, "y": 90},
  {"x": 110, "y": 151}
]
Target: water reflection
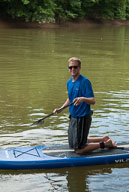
[
  {"x": 33, "y": 76},
  {"x": 68, "y": 179}
]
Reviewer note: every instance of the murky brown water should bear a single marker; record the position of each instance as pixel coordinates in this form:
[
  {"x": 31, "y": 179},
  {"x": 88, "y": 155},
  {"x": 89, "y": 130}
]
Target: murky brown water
[{"x": 33, "y": 75}]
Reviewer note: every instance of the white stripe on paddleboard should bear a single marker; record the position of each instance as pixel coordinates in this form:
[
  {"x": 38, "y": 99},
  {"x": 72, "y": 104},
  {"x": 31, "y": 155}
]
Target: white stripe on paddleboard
[
  {"x": 124, "y": 146},
  {"x": 7, "y": 155},
  {"x": 72, "y": 150},
  {"x": 58, "y": 151}
]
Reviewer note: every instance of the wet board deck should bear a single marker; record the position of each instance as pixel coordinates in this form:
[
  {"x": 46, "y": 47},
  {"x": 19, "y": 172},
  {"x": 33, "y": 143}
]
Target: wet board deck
[{"x": 59, "y": 156}]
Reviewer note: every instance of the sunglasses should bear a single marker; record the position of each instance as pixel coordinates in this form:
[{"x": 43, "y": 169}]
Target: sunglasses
[{"x": 75, "y": 67}]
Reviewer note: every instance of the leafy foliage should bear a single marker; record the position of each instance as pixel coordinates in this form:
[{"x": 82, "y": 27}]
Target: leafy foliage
[{"x": 57, "y": 10}]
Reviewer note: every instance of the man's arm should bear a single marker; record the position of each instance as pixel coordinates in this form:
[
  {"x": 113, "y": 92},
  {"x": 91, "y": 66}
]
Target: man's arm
[
  {"x": 65, "y": 104},
  {"x": 78, "y": 100}
]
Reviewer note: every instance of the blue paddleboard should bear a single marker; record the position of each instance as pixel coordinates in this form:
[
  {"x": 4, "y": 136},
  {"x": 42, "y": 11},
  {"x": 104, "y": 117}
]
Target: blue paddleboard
[{"x": 59, "y": 156}]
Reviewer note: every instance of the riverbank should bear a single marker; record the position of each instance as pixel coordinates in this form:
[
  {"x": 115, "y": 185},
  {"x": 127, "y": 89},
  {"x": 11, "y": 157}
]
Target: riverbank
[{"x": 81, "y": 23}]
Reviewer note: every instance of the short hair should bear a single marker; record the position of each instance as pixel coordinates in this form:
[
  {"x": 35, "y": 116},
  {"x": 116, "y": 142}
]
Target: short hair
[{"x": 75, "y": 59}]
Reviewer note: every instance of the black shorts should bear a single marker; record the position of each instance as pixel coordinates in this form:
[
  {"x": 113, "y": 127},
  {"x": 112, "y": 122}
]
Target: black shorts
[{"x": 78, "y": 131}]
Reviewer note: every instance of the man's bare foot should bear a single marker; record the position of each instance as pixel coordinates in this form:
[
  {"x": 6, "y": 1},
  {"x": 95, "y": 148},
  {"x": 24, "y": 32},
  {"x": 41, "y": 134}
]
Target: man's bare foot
[
  {"x": 109, "y": 143},
  {"x": 105, "y": 138}
]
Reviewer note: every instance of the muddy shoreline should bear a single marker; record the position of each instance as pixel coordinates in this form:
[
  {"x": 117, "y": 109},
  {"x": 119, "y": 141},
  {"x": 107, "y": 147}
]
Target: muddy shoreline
[{"x": 83, "y": 23}]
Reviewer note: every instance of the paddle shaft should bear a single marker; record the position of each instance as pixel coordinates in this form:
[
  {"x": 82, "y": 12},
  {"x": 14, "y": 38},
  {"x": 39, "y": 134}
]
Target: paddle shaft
[{"x": 58, "y": 111}]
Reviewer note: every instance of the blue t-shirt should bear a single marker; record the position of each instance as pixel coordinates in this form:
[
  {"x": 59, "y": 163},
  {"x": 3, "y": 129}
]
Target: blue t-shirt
[{"x": 80, "y": 88}]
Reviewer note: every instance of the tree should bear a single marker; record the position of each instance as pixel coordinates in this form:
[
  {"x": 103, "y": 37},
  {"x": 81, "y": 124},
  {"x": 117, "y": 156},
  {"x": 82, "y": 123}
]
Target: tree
[{"x": 57, "y": 10}]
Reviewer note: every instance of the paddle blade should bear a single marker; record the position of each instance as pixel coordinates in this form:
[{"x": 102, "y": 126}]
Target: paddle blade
[{"x": 39, "y": 122}]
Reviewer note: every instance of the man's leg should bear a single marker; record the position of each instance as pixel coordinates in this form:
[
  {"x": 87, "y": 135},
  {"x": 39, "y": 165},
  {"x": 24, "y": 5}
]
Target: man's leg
[
  {"x": 97, "y": 139},
  {"x": 93, "y": 146}
]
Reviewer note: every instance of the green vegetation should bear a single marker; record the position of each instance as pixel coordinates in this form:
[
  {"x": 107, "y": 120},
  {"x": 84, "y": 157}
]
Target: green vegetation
[{"x": 58, "y": 10}]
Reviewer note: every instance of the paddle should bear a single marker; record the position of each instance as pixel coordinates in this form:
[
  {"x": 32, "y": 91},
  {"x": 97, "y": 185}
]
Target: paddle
[{"x": 41, "y": 121}]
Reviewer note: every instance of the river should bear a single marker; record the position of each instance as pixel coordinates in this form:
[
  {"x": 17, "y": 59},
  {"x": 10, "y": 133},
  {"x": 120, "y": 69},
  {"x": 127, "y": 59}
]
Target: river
[{"x": 33, "y": 76}]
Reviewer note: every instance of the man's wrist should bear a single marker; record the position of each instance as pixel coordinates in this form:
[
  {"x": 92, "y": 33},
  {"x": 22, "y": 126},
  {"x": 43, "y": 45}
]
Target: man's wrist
[{"x": 83, "y": 99}]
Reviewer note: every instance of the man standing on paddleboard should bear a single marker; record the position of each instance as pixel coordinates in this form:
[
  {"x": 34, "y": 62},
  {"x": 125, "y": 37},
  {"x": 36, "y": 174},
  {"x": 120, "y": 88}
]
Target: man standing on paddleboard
[{"x": 80, "y": 92}]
